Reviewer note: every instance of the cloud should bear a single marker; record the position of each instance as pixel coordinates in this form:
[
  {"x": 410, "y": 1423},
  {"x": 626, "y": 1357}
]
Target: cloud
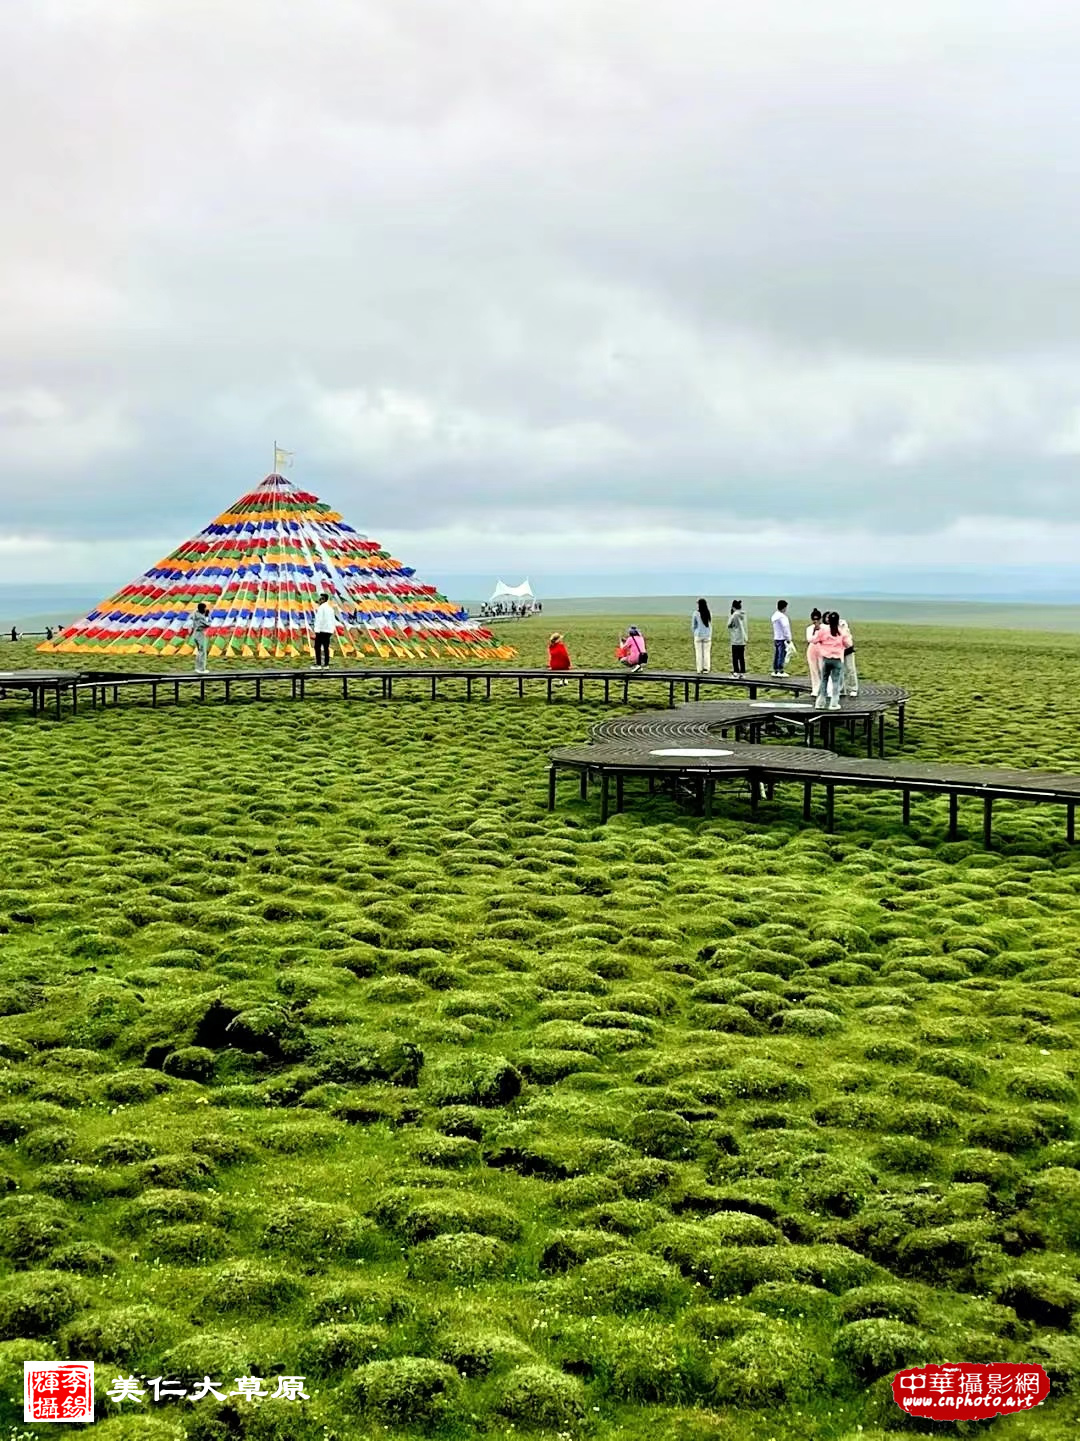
[{"x": 537, "y": 270}]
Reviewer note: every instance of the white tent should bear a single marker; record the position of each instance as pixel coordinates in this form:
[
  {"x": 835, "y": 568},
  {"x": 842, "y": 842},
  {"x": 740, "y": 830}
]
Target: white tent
[{"x": 503, "y": 591}]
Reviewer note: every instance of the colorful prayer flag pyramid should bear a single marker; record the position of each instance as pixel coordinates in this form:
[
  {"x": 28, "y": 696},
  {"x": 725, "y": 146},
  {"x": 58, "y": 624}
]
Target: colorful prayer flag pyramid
[{"x": 260, "y": 567}]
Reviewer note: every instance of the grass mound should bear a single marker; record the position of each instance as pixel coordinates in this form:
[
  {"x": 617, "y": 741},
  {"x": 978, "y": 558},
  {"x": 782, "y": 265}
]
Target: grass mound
[{"x": 364, "y": 1066}]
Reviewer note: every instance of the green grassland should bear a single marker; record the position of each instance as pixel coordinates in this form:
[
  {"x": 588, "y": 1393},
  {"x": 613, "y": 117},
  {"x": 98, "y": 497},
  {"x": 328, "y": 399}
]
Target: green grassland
[{"x": 326, "y": 1051}]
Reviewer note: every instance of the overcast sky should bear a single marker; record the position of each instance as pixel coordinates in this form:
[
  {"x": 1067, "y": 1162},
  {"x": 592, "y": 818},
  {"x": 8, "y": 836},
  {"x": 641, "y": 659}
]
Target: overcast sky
[{"x": 543, "y": 284}]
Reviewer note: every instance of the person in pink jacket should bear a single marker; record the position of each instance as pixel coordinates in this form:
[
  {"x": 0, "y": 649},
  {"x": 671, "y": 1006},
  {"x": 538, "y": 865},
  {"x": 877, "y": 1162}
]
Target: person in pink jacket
[
  {"x": 813, "y": 660},
  {"x": 632, "y": 650},
  {"x": 830, "y": 644}
]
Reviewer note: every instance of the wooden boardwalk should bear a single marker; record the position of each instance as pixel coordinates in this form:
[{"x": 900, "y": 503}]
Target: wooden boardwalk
[
  {"x": 50, "y": 690},
  {"x": 690, "y": 747},
  {"x": 687, "y": 751}
]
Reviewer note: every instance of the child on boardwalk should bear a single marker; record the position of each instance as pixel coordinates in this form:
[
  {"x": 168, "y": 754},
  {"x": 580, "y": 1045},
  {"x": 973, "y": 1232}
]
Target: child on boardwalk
[{"x": 558, "y": 655}]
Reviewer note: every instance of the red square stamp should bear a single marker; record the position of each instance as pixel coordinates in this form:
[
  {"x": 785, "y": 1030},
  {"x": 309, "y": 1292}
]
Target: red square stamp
[{"x": 58, "y": 1390}]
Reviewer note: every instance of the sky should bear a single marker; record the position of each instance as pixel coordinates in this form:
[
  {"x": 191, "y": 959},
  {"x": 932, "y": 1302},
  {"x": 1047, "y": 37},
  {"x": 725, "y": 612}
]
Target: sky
[{"x": 550, "y": 285}]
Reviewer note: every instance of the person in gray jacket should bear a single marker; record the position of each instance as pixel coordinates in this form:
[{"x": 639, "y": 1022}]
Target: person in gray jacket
[
  {"x": 199, "y": 622},
  {"x": 738, "y": 635}
]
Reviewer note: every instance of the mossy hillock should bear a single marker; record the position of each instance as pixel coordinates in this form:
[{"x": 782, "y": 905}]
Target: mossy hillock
[{"x": 368, "y": 1068}]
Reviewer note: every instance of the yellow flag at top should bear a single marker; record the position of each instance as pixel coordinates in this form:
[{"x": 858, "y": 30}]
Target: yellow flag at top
[{"x": 282, "y": 459}]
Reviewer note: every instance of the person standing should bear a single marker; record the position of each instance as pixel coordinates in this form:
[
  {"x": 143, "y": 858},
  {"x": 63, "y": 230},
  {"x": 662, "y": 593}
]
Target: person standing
[
  {"x": 326, "y": 623},
  {"x": 558, "y": 656},
  {"x": 632, "y": 650},
  {"x": 830, "y": 644},
  {"x": 813, "y": 658},
  {"x": 851, "y": 675},
  {"x": 781, "y": 630},
  {"x": 701, "y": 629},
  {"x": 738, "y": 635},
  {"x": 199, "y": 622}
]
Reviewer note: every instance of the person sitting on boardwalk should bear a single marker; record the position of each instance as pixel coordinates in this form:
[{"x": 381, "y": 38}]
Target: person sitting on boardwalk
[
  {"x": 199, "y": 621},
  {"x": 326, "y": 623},
  {"x": 813, "y": 659},
  {"x": 632, "y": 650},
  {"x": 701, "y": 629},
  {"x": 781, "y": 631},
  {"x": 830, "y": 644},
  {"x": 851, "y": 675},
  {"x": 558, "y": 656},
  {"x": 738, "y": 635}
]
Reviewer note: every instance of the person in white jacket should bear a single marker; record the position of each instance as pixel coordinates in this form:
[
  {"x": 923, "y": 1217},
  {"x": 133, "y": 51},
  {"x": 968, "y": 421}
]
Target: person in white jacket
[
  {"x": 813, "y": 655},
  {"x": 781, "y": 631},
  {"x": 701, "y": 629},
  {"x": 738, "y": 635},
  {"x": 851, "y": 675},
  {"x": 326, "y": 624}
]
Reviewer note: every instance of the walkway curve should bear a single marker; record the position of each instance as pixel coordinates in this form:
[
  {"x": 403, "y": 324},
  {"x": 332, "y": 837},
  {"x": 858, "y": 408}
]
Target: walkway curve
[{"x": 689, "y": 750}]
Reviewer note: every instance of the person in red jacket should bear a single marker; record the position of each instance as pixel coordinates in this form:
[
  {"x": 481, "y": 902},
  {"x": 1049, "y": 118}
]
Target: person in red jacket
[{"x": 558, "y": 655}]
